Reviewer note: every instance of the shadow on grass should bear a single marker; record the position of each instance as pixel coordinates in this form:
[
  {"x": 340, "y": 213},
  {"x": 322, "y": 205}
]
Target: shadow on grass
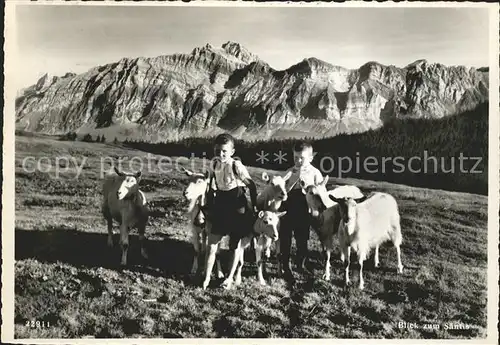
[{"x": 168, "y": 257}]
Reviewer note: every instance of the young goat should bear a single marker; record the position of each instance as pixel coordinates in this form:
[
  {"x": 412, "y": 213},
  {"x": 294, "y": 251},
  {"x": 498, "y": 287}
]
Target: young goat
[
  {"x": 266, "y": 231},
  {"x": 125, "y": 203},
  {"x": 272, "y": 196},
  {"x": 274, "y": 193},
  {"x": 196, "y": 194},
  {"x": 325, "y": 214},
  {"x": 367, "y": 225}
]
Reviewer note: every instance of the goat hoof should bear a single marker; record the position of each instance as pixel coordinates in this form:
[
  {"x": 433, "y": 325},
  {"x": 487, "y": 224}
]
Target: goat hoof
[
  {"x": 326, "y": 277},
  {"x": 220, "y": 275},
  {"x": 262, "y": 282},
  {"x": 205, "y": 285},
  {"x": 361, "y": 286},
  {"x": 377, "y": 265},
  {"x": 237, "y": 282},
  {"x": 227, "y": 284},
  {"x": 400, "y": 269}
]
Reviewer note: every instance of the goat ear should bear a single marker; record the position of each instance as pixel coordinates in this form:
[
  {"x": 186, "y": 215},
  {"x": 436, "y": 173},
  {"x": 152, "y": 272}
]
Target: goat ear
[
  {"x": 361, "y": 199},
  {"x": 337, "y": 200},
  {"x": 185, "y": 171},
  {"x": 281, "y": 214},
  {"x": 261, "y": 214},
  {"x": 303, "y": 186},
  {"x": 118, "y": 172},
  {"x": 325, "y": 180},
  {"x": 138, "y": 174},
  {"x": 265, "y": 176},
  {"x": 287, "y": 176}
]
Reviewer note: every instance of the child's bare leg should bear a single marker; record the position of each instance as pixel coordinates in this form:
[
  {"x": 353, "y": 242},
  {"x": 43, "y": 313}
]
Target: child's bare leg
[{"x": 213, "y": 243}]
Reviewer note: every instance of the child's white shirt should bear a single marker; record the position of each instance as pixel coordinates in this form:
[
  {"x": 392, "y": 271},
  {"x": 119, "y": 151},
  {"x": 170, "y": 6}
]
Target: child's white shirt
[
  {"x": 307, "y": 173},
  {"x": 225, "y": 178}
]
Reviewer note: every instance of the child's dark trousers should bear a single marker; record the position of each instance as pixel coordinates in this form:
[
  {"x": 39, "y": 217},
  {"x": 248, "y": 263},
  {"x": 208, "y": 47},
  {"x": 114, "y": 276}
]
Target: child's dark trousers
[
  {"x": 296, "y": 221},
  {"x": 232, "y": 215}
]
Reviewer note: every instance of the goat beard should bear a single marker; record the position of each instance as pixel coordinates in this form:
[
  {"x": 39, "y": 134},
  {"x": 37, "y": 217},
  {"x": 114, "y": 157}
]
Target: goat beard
[
  {"x": 268, "y": 232},
  {"x": 191, "y": 205},
  {"x": 348, "y": 227}
]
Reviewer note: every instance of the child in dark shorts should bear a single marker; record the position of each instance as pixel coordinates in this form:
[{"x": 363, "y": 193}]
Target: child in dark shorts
[
  {"x": 297, "y": 220},
  {"x": 231, "y": 213}
]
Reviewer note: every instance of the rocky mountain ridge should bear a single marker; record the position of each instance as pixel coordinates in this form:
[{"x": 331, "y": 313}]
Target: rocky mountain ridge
[{"x": 215, "y": 89}]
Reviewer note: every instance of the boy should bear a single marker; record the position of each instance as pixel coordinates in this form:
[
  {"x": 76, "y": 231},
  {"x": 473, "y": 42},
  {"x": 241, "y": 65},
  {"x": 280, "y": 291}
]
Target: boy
[
  {"x": 297, "y": 218},
  {"x": 231, "y": 213}
]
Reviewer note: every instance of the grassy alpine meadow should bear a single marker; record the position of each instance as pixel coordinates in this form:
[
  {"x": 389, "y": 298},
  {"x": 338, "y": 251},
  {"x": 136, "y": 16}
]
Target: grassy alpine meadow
[{"x": 68, "y": 283}]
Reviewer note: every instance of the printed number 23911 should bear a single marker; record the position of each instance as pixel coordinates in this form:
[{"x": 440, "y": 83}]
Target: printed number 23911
[{"x": 37, "y": 324}]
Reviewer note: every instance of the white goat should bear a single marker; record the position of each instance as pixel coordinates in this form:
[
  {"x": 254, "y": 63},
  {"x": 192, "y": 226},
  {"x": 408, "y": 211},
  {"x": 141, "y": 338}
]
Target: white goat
[
  {"x": 326, "y": 214},
  {"x": 274, "y": 193},
  {"x": 367, "y": 225},
  {"x": 196, "y": 194},
  {"x": 123, "y": 202},
  {"x": 272, "y": 196},
  {"x": 323, "y": 194},
  {"x": 266, "y": 231}
]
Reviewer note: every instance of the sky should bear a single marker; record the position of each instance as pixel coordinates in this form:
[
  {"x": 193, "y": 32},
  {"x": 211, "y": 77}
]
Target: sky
[{"x": 59, "y": 39}]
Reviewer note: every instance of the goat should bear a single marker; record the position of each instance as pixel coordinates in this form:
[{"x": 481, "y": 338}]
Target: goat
[
  {"x": 274, "y": 193},
  {"x": 325, "y": 214},
  {"x": 322, "y": 194},
  {"x": 125, "y": 203},
  {"x": 367, "y": 225},
  {"x": 266, "y": 231},
  {"x": 272, "y": 196},
  {"x": 196, "y": 194}
]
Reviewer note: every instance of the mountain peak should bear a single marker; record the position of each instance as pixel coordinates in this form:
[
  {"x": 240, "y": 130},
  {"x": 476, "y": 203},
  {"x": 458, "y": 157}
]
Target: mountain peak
[
  {"x": 237, "y": 50},
  {"x": 229, "y": 50},
  {"x": 232, "y": 44},
  {"x": 226, "y": 87},
  {"x": 371, "y": 64},
  {"x": 46, "y": 80},
  {"x": 206, "y": 48},
  {"x": 310, "y": 64},
  {"x": 417, "y": 63}
]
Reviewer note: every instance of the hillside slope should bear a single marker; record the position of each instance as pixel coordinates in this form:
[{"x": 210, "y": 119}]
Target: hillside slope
[
  {"x": 417, "y": 152},
  {"x": 66, "y": 275}
]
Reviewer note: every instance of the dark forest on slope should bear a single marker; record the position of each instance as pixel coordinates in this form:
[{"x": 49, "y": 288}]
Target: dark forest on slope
[{"x": 400, "y": 152}]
